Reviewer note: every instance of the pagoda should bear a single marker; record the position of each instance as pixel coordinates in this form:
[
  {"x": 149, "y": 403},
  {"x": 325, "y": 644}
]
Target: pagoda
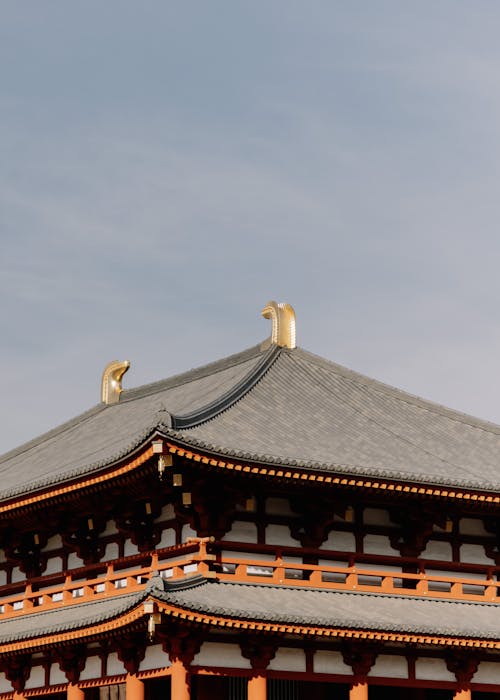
[{"x": 271, "y": 525}]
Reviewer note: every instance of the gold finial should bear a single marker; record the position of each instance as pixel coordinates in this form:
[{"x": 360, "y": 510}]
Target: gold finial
[
  {"x": 111, "y": 386},
  {"x": 283, "y": 319}
]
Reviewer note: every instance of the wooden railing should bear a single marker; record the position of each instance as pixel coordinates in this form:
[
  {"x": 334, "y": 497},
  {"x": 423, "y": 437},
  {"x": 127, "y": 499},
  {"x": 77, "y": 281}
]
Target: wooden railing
[{"x": 227, "y": 562}]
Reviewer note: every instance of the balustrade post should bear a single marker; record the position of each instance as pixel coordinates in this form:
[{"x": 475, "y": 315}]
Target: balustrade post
[{"x": 134, "y": 688}]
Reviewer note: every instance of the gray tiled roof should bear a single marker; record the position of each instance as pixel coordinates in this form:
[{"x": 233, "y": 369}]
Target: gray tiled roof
[
  {"x": 303, "y": 606},
  {"x": 275, "y": 406},
  {"x": 65, "y": 618}
]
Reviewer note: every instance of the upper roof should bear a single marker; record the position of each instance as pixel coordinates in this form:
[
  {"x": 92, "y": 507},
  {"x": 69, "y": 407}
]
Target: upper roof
[{"x": 274, "y": 405}]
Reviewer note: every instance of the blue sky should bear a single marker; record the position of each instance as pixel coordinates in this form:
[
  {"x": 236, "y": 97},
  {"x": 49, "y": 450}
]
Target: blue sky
[{"x": 167, "y": 168}]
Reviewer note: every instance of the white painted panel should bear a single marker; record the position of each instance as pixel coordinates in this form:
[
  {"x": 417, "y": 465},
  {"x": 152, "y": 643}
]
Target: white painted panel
[
  {"x": 111, "y": 551},
  {"x": 242, "y": 531},
  {"x": 218, "y": 654},
  {"x": 17, "y": 575},
  {"x": 5, "y": 686},
  {"x": 432, "y": 670},
  {"x": 472, "y": 526},
  {"x": 167, "y": 513},
  {"x": 74, "y": 562},
  {"x": 3, "y": 579},
  {"x": 36, "y": 679},
  {"x": 437, "y": 550},
  {"x": 92, "y": 668},
  {"x": 54, "y": 564},
  {"x": 129, "y": 548},
  {"x": 488, "y": 672},
  {"x": 377, "y": 516},
  {"x": 56, "y": 675},
  {"x": 377, "y": 544},
  {"x": 390, "y": 667},
  {"x": 110, "y": 529},
  {"x": 474, "y": 554},
  {"x": 280, "y": 534},
  {"x": 288, "y": 660},
  {"x": 342, "y": 541},
  {"x": 278, "y": 506},
  {"x": 167, "y": 538},
  {"x": 53, "y": 543},
  {"x": 114, "y": 666},
  {"x": 330, "y": 662},
  {"x": 2, "y": 556},
  {"x": 187, "y": 532},
  {"x": 155, "y": 658}
]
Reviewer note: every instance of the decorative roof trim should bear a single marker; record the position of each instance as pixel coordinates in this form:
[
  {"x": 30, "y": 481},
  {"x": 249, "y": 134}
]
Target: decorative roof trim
[
  {"x": 283, "y": 333},
  {"x": 189, "y": 420},
  {"x": 111, "y": 384}
]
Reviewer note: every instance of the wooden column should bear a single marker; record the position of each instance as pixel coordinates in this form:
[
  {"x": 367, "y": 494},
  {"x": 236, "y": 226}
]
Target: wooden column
[
  {"x": 463, "y": 694},
  {"x": 73, "y": 692},
  {"x": 257, "y": 687},
  {"x": 359, "y": 691},
  {"x": 179, "y": 679},
  {"x": 134, "y": 688}
]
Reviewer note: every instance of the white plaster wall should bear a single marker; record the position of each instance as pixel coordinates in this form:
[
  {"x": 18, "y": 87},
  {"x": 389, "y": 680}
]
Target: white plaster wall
[
  {"x": 36, "y": 679},
  {"x": 342, "y": 541},
  {"x": 437, "y": 550},
  {"x": 187, "y": 532},
  {"x": 390, "y": 667},
  {"x": 488, "y": 672},
  {"x": 474, "y": 554},
  {"x": 111, "y": 551},
  {"x": 73, "y": 561},
  {"x": 92, "y": 668},
  {"x": 433, "y": 670},
  {"x": 114, "y": 666},
  {"x": 472, "y": 526},
  {"x": 54, "y": 564},
  {"x": 377, "y": 544},
  {"x": 288, "y": 660},
  {"x": 3, "y": 578},
  {"x": 280, "y": 535},
  {"x": 167, "y": 538},
  {"x": 5, "y": 686},
  {"x": 56, "y": 675},
  {"x": 154, "y": 658},
  {"x": 2, "y": 556},
  {"x": 377, "y": 516},
  {"x": 110, "y": 528},
  {"x": 129, "y": 548},
  {"x": 17, "y": 575},
  {"x": 167, "y": 513},
  {"x": 53, "y": 543},
  {"x": 330, "y": 662},
  {"x": 278, "y": 506},
  {"x": 242, "y": 531},
  {"x": 217, "y": 654}
]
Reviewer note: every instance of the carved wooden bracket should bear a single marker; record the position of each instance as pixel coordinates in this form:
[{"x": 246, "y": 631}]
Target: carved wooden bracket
[
  {"x": 463, "y": 665},
  {"x": 23, "y": 549},
  {"x": 17, "y": 670},
  {"x": 180, "y": 642},
  {"x": 81, "y": 535},
  {"x": 71, "y": 661},
  {"x": 359, "y": 657},
  {"x": 259, "y": 650},
  {"x": 136, "y": 522},
  {"x": 416, "y": 527},
  {"x": 315, "y": 520},
  {"x": 131, "y": 650},
  {"x": 213, "y": 507}
]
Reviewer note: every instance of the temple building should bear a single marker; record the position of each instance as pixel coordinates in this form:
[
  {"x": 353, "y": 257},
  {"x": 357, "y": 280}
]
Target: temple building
[{"x": 271, "y": 525}]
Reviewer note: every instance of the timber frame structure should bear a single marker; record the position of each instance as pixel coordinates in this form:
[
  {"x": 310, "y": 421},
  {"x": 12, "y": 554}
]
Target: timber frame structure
[{"x": 271, "y": 525}]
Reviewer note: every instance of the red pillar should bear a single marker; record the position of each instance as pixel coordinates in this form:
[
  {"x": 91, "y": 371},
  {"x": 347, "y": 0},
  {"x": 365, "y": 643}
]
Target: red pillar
[
  {"x": 359, "y": 691},
  {"x": 134, "y": 689},
  {"x": 257, "y": 687},
  {"x": 179, "y": 679}
]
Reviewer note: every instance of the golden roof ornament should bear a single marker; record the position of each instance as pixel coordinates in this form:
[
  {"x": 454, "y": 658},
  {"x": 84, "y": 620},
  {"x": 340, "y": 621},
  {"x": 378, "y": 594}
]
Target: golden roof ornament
[
  {"x": 283, "y": 320},
  {"x": 111, "y": 385}
]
